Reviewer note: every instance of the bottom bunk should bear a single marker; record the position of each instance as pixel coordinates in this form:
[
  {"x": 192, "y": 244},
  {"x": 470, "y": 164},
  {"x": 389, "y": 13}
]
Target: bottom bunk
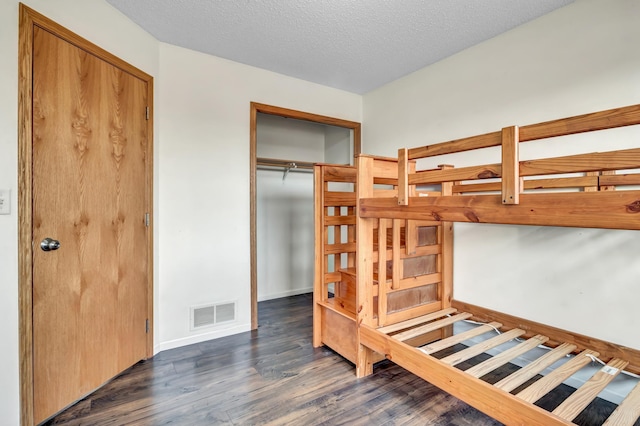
[{"x": 511, "y": 399}]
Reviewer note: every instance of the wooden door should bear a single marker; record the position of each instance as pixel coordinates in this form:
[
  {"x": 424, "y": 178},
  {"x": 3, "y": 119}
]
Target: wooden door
[{"x": 90, "y": 149}]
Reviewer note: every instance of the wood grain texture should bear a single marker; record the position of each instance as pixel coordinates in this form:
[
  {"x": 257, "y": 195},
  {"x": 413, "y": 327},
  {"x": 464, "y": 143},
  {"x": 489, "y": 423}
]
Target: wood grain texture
[
  {"x": 416, "y": 321},
  {"x": 458, "y": 338},
  {"x": 595, "y": 161},
  {"x": 483, "y": 396},
  {"x": 396, "y": 269},
  {"x": 364, "y": 266},
  {"x": 623, "y": 179},
  {"x": 25, "y": 214},
  {"x": 413, "y": 312},
  {"x": 446, "y": 263},
  {"x": 510, "y": 166},
  {"x": 485, "y": 171},
  {"x": 89, "y": 191},
  {"x": 253, "y": 209},
  {"x": 607, "y": 350},
  {"x": 431, "y": 326},
  {"x": 31, "y": 21},
  {"x": 319, "y": 294},
  {"x": 557, "y": 376},
  {"x": 459, "y": 145},
  {"x": 403, "y": 173},
  {"x": 609, "y": 210},
  {"x": 339, "y": 199},
  {"x": 534, "y": 368},
  {"x": 383, "y": 286},
  {"x": 491, "y": 364},
  {"x": 609, "y": 119},
  {"x": 591, "y": 180},
  {"x": 581, "y": 398},
  {"x": 628, "y": 411},
  {"x": 481, "y": 347},
  {"x": 613, "y": 160}
]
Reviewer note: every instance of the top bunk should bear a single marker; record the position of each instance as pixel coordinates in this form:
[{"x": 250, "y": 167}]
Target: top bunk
[{"x": 588, "y": 190}]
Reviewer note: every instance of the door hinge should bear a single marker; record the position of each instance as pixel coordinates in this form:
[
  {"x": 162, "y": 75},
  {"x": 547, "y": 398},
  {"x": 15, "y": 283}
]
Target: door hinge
[
  {"x": 146, "y": 326},
  {"x": 147, "y": 112},
  {"x": 147, "y": 220}
]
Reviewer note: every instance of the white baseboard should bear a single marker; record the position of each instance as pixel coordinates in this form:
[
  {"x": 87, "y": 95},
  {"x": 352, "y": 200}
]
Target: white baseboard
[
  {"x": 295, "y": 292},
  {"x": 214, "y": 333}
]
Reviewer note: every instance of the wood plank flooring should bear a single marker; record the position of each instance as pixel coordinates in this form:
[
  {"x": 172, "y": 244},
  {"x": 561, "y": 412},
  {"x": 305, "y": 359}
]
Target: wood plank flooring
[{"x": 271, "y": 376}]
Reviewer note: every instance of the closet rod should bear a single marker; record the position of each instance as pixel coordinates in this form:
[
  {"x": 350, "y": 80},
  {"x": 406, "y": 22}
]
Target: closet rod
[
  {"x": 290, "y": 164},
  {"x": 298, "y": 166}
]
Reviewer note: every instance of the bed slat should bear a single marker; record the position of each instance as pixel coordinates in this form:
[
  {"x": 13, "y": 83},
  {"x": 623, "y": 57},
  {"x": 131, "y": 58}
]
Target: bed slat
[
  {"x": 423, "y": 329},
  {"x": 628, "y": 411},
  {"x": 557, "y": 376},
  {"x": 514, "y": 380},
  {"x": 415, "y": 321},
  {"x": 450, "y": 341},
  {"x": 506, "y": 356},
  {"x": 578, "y": 401},
  {"x": 479, "y": 348}
]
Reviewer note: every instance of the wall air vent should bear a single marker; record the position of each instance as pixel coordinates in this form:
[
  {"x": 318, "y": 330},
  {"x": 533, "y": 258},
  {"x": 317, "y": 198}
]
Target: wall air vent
[{"x": 211, "y": 315}]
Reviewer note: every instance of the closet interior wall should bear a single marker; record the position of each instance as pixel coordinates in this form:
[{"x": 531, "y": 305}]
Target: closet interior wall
[{"x": 285, "y": 248}]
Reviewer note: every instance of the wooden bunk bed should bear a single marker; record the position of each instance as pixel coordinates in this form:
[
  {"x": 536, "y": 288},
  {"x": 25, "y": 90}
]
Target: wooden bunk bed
[{"x": 384, "y": 263}]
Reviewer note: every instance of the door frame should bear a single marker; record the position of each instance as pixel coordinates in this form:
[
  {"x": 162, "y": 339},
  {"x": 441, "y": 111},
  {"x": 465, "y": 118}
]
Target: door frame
[
  {"x": 27, "y": 21},
  {"x": 256, "y": 108}
]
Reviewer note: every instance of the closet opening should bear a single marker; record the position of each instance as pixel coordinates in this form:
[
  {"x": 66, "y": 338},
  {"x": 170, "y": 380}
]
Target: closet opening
[{"x": 284, "y": 146}]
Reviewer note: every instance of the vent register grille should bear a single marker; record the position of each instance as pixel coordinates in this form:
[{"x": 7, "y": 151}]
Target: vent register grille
[{"x": 206, "y": 316}]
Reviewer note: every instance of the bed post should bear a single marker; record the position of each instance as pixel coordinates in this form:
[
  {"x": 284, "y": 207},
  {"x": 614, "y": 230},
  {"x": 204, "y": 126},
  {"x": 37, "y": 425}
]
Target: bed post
[
  {"x": 510, "y": 165},
  {"x": 319, "y": 269},
  {"x": 446, "y": 259},
  {"x": 403, "y": 177},
  {"x": 364, "y": 266}
]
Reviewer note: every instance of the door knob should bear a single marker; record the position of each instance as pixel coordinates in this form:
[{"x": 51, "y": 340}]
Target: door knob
[{"x": 49, "y": 244}]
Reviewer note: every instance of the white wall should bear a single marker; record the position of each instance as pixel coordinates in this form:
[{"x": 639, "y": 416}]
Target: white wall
[
  {"x": 289, "y": 139},
  {"x": 94, "y": 20},
  {"x": 204, "y": 179},
  {"x": 285, "y": 231},
  {"x": 578, "y": 59},
  {"x": 338, "y": 145},
  {"x": 285, "y": 234}
]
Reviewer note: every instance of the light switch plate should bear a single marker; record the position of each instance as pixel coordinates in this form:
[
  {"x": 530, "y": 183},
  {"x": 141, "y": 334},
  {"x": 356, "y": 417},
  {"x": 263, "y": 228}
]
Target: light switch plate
[{"x": 5, "y": 201}]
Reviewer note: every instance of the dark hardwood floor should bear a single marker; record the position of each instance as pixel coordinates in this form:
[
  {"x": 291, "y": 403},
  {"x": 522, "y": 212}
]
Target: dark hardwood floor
[{"x": 269, "y": 376}]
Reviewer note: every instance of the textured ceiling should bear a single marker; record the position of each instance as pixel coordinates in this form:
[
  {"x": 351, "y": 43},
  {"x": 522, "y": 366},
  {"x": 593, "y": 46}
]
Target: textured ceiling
[{"x": 354, "y": 45}]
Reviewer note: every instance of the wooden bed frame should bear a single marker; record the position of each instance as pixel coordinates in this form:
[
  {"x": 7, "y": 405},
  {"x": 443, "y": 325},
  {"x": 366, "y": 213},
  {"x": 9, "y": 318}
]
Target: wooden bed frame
[{"x": 384, "y": 263}]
